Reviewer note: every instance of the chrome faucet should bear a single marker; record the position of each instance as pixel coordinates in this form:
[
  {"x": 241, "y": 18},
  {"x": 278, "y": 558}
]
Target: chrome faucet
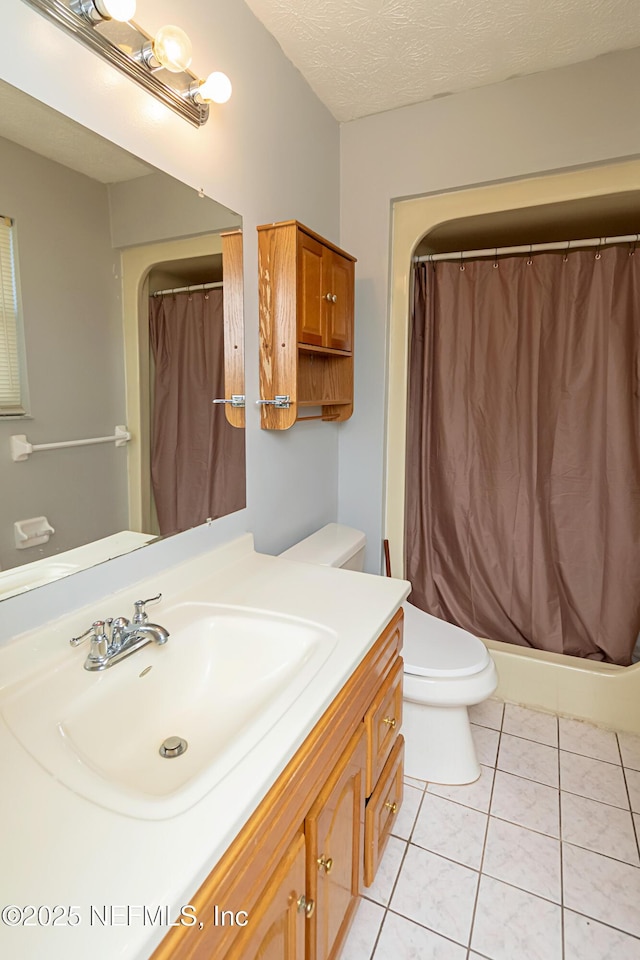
[{"x": 112, "y": 640}]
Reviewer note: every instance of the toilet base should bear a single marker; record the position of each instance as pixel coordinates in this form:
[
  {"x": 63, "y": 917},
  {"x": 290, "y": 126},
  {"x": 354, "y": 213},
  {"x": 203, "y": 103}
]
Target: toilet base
[{"x": 438, "y": 744}]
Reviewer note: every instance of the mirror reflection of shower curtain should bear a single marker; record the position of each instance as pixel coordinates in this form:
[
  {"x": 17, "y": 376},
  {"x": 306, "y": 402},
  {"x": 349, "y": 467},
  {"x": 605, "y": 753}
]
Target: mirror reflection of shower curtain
[
  {"x": 523, "y": 449},
  {"x": 197, "y": 457}
]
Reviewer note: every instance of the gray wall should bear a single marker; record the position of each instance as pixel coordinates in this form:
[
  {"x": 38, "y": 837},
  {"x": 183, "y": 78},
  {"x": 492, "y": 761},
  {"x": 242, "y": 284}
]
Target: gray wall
[
  {"x": 271, "y": 153},
  {"x": 579, "y": 115},
  {"x": 72, "y": 327},
  {"x": 138, "y": 218}
]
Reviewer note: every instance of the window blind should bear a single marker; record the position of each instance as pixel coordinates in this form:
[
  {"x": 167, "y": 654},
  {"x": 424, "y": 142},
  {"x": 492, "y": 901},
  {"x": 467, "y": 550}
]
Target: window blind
[{"x": 9, "y": 360}]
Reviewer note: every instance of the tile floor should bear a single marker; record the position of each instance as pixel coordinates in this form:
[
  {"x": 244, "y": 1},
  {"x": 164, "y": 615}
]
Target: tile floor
[{"x": 537, "y": 860}]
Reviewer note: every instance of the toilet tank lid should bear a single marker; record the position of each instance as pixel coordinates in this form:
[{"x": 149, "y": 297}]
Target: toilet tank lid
[
  {"x": 436, "y": 648},
  {"x": 330, "y": 546}
]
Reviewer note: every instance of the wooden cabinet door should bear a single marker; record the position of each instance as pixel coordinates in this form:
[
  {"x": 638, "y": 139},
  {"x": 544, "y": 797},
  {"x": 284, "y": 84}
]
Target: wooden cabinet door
[
  {"x": 276, "y": 926},
  {"x": 339, "y": 275},
  {"x": 311, "y": 295},
  {"x": 334, "y": 835}
]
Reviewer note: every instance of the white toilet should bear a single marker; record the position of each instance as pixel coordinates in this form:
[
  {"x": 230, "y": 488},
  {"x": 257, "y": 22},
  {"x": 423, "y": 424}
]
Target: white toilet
[{"x": 446, "y": 670}]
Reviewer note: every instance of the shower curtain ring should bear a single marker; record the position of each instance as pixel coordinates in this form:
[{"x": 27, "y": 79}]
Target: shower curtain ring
[
  {"x": 461, "y": 261},
  {"x": 530, "y": 261},
  {"x": 495, "y": 262},
  {"x": 598, "y": 255},
  {"x": 566, "y": 254},
  {"x": 633, "y": 246}
]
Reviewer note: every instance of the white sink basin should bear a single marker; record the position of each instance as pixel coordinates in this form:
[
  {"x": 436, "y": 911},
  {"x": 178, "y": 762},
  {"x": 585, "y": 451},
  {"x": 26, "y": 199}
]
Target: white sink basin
[{"x": 223, "y": 679}]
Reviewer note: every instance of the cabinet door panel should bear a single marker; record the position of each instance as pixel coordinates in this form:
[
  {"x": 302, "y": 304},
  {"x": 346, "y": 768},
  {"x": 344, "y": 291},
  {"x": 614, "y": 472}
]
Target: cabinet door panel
[
  {"x": 340, "y": 273},
  {"x": 276, "y": 927},
  {"x": 310, "y": 291},
  {"x": 334, "y": 832}
]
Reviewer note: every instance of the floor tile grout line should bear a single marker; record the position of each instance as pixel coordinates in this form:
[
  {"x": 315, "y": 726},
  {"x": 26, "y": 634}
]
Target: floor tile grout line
[
  {"x": 609, "y": 926},
  {"x": 605, "y": 803},
  {"x": 529, "y": 779},
  {"x": 585, "y": 756},
  {"x": 425, "y": 927},
  {"x": 459, "y": 803},
  {"x": 626, "y": 786},
  {"x": 395, "y": 882},
  {"x": 377, "y": 939},
  {"x": 523, "y": 826},
  {"x": 484, "y": 844},
  {"x": 604, "y": 923},
  {"x": 519, "y": 776},
  {"x": 541, "y": 743},
  {"x": 480, "y": 872}
]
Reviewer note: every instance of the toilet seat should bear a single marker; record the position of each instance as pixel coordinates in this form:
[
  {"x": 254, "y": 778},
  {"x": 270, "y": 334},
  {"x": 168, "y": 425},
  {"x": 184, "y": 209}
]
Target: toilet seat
[{"x": 435, "y": 648}]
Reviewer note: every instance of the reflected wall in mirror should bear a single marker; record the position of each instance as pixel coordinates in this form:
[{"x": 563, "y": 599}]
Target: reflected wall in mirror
[{"x": 104, "y": 245}]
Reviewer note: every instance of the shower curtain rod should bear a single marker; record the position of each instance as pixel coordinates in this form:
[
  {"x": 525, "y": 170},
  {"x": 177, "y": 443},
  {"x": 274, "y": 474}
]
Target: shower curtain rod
[
  {"x": 528, "y": 248},
  {"x": 192, "y": 286}
]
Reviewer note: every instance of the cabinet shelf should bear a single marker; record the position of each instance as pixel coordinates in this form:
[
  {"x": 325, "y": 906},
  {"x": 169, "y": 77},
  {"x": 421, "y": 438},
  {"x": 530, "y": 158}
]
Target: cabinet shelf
[
  {"x": 320, "y": 402},
  {"x": 306, "y": 291},
  {"x": 323, "y": 351}
]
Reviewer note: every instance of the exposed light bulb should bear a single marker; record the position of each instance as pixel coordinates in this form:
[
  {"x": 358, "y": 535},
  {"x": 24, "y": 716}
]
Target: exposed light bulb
[
  {"x": 172, "y": 49},
  {"x": 216, "y": 88},
  {"x": 121, "y": 10}
]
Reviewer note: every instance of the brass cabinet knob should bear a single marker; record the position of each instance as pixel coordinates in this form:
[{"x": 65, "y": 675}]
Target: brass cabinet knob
[
  {"x": 391, "y": 721},
  {"x": 326, "y": 865},
  {"x": 306, "y": 906},
  {"x": 334, "y": 298},
  {"x": 391, "y": 806},
  {"x": 327, "y": 296}
]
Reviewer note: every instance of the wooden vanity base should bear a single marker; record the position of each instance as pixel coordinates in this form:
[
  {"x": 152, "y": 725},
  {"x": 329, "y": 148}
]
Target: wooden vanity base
[{"x": 297, "y": 865}]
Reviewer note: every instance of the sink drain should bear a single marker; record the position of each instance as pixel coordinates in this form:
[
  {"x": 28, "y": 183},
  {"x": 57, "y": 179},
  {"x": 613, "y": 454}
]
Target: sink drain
[{"x": 173, "y": 747}]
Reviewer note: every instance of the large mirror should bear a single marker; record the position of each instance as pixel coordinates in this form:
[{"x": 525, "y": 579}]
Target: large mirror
[{"x": 127, "y": 288}]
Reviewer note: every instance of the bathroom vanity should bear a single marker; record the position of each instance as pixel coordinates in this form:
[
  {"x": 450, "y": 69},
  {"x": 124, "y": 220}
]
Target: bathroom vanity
[
  {"x": 297, "y": 865},
  {"x": 268, "y": 823}
]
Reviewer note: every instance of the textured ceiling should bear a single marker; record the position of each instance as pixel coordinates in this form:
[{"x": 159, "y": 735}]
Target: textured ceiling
[
  {"x": 45, "y": 131},
  {"x": 365, "y": 56}
]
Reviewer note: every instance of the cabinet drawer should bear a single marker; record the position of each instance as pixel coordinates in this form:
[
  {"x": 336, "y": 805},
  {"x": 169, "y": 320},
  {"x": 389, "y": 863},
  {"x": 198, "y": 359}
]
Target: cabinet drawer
[
  {"x": 382, "y": 810},
  {"x": 382, "y": 721}
]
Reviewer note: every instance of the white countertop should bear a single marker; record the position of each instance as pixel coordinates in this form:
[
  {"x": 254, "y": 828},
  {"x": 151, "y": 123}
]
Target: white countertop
[{"x": 56, "y": 848}]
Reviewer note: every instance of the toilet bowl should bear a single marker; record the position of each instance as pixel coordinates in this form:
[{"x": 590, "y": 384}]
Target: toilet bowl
[{"x": 446, "y": 670}]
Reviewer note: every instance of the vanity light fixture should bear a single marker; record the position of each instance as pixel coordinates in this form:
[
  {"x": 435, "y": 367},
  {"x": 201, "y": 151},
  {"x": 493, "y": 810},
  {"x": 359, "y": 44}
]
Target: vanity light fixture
[
  {"x": 96, "y": 10},
  {"x": 158, "y": 63}
]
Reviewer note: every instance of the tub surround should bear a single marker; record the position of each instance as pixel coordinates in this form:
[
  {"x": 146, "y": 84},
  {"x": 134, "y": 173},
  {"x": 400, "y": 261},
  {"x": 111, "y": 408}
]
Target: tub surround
[{"x": 64, "y": 849}]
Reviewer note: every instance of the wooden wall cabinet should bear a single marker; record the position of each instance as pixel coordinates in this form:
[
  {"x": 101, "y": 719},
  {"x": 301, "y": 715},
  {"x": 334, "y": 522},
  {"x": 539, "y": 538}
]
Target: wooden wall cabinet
[
  {"x": 306, "y": 305},
  {"x": 298, "y": 864}
]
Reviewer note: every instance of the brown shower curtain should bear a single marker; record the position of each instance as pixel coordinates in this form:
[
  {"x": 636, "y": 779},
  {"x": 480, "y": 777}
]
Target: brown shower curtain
[
  {"x": 197, "y": 457},
  {"x": 523, "y": 449}
]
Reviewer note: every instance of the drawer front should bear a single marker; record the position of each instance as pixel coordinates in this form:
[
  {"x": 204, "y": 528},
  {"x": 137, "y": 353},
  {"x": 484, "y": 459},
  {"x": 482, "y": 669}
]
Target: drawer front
[
  {"x": 382, "y": 810},
  {"x": 383, "y": 720}
]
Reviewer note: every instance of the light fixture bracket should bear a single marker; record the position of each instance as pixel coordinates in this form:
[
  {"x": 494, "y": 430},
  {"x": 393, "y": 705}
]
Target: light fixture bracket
[{"x": 120, "y": 44}]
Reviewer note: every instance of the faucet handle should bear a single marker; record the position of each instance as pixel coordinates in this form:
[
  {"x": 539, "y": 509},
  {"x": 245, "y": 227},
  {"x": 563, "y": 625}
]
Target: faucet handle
[
  {"x": 99, "y": 643},
  {"x": 76, "y": 641},
  {"x": 99, "y": 640},
  {"x": 141, "y": 616}
]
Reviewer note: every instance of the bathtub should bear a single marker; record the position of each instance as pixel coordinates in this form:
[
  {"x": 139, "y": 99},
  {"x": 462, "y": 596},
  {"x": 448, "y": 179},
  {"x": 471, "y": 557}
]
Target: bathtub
[{"x": 603, "y": 693}]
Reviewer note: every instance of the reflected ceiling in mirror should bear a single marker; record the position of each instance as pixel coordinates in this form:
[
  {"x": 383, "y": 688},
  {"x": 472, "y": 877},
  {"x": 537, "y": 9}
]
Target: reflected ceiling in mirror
[{"x": 104, "y": 245}]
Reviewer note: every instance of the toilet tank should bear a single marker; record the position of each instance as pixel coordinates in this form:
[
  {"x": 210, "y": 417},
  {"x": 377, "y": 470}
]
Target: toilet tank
[{"x": 333, "y": 546}]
